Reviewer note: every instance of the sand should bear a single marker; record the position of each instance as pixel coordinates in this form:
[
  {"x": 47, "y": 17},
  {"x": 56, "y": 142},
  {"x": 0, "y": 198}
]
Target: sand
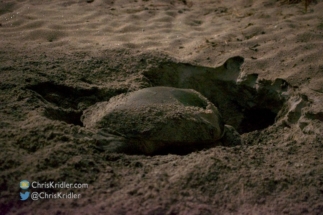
[{"x": 59, "y": 57}]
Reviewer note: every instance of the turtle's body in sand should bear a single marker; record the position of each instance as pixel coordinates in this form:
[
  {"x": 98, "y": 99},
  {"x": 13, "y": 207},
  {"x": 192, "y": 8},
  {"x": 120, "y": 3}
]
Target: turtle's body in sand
[{"x": 155, "y": 119}]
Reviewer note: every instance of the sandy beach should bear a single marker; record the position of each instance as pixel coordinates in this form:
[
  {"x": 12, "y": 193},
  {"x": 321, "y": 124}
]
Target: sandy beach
[{"x": 259, "y": 62}]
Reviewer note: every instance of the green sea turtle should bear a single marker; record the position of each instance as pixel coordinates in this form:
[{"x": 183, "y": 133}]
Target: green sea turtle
[{"x": 157, "y": 119}]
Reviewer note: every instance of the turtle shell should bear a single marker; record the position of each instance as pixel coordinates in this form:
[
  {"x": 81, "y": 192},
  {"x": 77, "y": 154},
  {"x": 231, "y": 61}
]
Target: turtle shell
[{"x": 156, "y": 118}]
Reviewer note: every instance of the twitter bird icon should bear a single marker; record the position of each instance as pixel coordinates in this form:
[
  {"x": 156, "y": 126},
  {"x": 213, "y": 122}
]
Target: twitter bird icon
[{"x": 24, "y": 196}]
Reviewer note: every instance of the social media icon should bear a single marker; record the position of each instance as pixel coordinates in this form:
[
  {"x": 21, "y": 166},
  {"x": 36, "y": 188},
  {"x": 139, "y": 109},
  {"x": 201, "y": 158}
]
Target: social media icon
[
  {"x": 24, "y": 196},
  {"x": 24, "y": 184}
]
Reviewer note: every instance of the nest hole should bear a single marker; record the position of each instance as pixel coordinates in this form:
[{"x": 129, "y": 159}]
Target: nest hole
[{"x": 256, "y": 119}]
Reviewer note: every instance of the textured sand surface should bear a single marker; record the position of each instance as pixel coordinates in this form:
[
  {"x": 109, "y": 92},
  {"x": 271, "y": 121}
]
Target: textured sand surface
[{"x": 57, "y": 58}]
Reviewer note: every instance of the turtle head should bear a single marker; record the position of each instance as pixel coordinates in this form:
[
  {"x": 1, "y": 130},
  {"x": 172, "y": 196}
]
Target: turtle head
[{"x": 230, "y": 136}]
